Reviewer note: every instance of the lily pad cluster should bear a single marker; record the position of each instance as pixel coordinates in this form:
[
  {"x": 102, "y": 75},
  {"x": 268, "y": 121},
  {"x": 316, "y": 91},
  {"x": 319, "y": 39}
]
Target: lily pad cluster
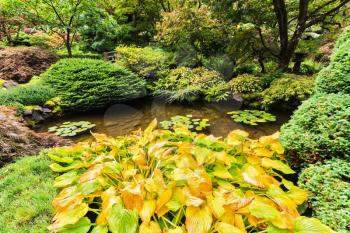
[
  {"x": 187, "y": 121},
  {"x": 160, "y": 181},
  {"x": 71, "y": 129},
  {"x": 252, "y": 117}
]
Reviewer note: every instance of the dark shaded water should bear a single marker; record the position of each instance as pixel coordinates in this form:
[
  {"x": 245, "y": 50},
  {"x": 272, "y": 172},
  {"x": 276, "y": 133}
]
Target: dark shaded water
[{"x": 121, "y": 119}]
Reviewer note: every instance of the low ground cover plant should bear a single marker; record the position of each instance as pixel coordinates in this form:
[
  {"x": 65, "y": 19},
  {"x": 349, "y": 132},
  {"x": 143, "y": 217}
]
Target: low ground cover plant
[
  {"x": 26, "y": 194},
  {"x": 162, "y": 181},
  {"x": 185, "y": 84},
  {"x": 329, "y": 188},
  {"x": 88, "y": 84}
]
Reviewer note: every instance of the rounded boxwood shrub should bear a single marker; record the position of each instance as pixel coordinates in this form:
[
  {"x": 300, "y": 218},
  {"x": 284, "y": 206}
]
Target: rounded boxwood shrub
[
  {"x": 87, "y": 84},
  {"x": 320, "y": 128},
  {"x": 329, "y": 188},
  {"x": 185, "y": 84},
  {"x": 246, "y": 83}
]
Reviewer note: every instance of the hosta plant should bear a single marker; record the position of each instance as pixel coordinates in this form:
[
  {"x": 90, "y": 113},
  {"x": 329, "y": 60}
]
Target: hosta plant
[
  {"x": 252, "y": 117},
  {"x": 187, "y": 121},
  {"x": 159, "y": 181},
  {"x": 71, "y": 129}
]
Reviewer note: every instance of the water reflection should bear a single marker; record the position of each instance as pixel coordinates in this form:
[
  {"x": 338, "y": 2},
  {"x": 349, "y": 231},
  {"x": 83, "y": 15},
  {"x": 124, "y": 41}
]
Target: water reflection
[{"x": 121, "y": 119}]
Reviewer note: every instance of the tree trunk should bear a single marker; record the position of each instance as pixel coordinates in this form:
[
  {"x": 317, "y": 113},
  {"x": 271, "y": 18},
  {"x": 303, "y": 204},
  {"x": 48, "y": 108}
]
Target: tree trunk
[{"x": 68, "y": 43}]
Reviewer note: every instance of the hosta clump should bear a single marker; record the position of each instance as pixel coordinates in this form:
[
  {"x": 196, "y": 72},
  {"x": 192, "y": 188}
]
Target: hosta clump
[
  {"x": 187, "y": 121},
  {"x": 252, "y": 117},
  {"x": 159, "y": 181},
  {"x": 71, "y": 129}
]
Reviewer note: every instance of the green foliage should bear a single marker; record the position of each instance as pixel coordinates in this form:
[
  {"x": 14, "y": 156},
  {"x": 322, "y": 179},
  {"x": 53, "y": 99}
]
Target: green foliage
[
  {"x": 71, "y": 129},
  {"x": 187, "y": 121},
  {"x": 248, "y": 68},
  {"x": 34, "y": 93},
  {"x": 336, "y": 77},
  {"x": 26, "y": 195},
  {"x": 329, "y": 187},
  {"x": 246, "y": 83},
  {"x": 220, "y": 63},
  {"x": 87, "y": 84},
  {"x": 185, "y": 84},
  {"x": 310, "y": 67},
  {"x": 251, "y": 117},
  {"x": 343, "y": 38},
  {"x": 320, "y": 128},
  {"x": 164, "y": 181},
  {"x": 147, "y": 62},
  {"x": 289, "y": 90}
]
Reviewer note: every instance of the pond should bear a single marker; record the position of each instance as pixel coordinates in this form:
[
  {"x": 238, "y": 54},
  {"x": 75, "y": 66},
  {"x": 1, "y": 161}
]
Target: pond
[{"x": 121, "y": 119}]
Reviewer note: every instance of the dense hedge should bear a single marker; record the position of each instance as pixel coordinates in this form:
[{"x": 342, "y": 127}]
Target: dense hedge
[
  {"x": 246, "y": 83},
  {"x": 329, "y": 186},
  {"x": 320, "y": 128},
  {"x": 336, "y": 77},
  {"x": 147, "y": 62},
  {"x": 288, "y": 90},
  {"x": 87, "y": 84},
  {"x": 185, "y": 84}
]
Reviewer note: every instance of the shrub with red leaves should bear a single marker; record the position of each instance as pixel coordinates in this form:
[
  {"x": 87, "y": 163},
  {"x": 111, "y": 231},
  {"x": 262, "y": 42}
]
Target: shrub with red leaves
[{"x": 21, "y": 64}]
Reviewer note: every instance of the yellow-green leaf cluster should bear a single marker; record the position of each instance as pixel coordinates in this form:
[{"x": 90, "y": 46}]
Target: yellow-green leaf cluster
[{"x": 161, "y": 181}]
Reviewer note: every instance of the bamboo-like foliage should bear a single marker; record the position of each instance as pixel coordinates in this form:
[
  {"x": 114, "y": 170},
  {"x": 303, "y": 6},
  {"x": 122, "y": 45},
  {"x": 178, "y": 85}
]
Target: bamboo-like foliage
[{"x": 158, "y": 181}]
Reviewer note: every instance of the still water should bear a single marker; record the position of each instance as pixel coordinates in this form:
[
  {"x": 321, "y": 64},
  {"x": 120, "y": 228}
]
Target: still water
[{"x": 121, "y": 119}]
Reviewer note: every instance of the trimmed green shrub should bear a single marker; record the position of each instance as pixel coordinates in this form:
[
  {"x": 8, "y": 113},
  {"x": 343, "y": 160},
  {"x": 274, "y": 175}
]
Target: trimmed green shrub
[
  {"x": 329, "y": 187},
  {"x": 343, "y": 38},
  {"x": 185, "y": 84},
  {"x": 246, "y": 83},
  {"x": 34, "y": 93},
  {"x": 147, "y": 62},
  {"x": 26, "y": 195},
  {"x": 320, "y": 128},
  {"x": 336, "y": 77},
  {"x": 288, "y": 90},
  {"x": 87, "y": 84},
  {"x": 309, "y": 67}
]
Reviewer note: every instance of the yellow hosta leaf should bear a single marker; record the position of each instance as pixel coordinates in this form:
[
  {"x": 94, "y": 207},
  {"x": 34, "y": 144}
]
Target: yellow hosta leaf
[
  {"x": 239, "y": 223},
  {"x": 133, "y": 196},
  {"x": 71, "y": 216},
  {"x": 263, "y": 152},
  {"x": 262, "y": 210},
  {"x": 176, "y": 230},
  {"x": 255, "y": 175},
  {"x": 216, "y": 205},
  {"x": 236, "y": 137},
  {"x": 276, "y": 164},
  {"x": 227, "y": 228},
  {"x": 164, "y": 198},
  {"x": 191, "y": 200},
  {"x": 200, "y": 183},
  {"x": 298, "y": 195},
  {"x": 310, "y": 225},
  {"x": 151, "y": 227},
  {"x": 100, "y": 137},
  {"x": 148, "y": 208},
  {"x": 221, "y": 172},
  {"x": 109, "y": 198},
  {"x": 282, "y": 199},
  {"x": 198, "y": 219}
]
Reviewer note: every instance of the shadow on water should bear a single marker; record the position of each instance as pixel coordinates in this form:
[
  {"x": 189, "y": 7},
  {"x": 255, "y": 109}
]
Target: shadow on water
[{"x": 121, "y": 119}]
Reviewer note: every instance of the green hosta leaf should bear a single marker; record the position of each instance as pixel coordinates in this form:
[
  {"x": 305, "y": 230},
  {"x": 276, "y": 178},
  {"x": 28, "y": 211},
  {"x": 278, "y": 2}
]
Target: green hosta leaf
[
  {"x": 82, "y": 226},
  {"x": 272, "y": 229},
  {"x": 58, "y": 168},
  {"x": 61, "y": 159},
  {"x": 262, "y": 210},
  {"x": 276, "y": 164},
  {"x": 66, "y": 179},
  {"x": 89, "y": 187},
  {"x": 310, "y": 225},
  {"x": 100, "y": 229},
  {"x": 122, "y": 220}
]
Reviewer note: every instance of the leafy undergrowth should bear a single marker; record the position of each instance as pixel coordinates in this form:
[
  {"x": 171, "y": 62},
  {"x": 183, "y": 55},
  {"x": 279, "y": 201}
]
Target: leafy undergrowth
[
  {"x": 162, "y": 181},
  {"x": 25, "y": 195}
]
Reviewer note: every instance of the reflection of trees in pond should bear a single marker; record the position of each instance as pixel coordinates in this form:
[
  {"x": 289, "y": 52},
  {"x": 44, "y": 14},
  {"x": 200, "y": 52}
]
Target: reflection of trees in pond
[{"x": 121, "y": 118}]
